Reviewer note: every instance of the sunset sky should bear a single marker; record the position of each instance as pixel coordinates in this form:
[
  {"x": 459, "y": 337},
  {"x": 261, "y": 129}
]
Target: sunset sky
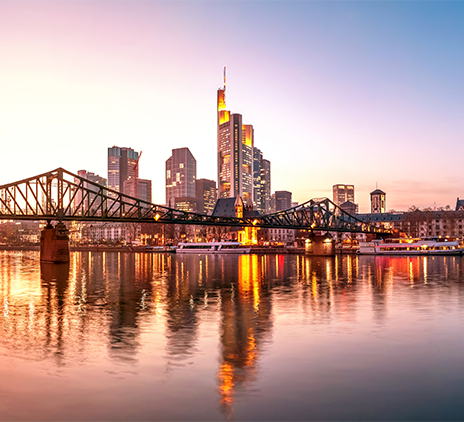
[{"x": 351, "y": 92}]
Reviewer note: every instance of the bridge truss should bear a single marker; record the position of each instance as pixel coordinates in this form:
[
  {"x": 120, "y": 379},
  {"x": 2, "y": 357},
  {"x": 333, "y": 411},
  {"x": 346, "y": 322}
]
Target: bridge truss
[{"x": 64, "y": 196}]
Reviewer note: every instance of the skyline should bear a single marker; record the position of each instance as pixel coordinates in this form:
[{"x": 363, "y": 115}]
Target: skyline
[{"x": 337, "y": 93}]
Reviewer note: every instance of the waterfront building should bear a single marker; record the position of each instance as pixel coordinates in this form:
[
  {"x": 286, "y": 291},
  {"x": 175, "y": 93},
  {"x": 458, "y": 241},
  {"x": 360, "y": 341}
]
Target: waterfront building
[
  {"x": 282, "y": 236},
  {"x": 181, "y": 174},
  {"x": 378, "y": 201},
  {"x": 283, "y": 200},
  {"x": 343, "y": 193},
  {"x": 205, "y": 195},
  {"x": 235, "y": 142},
  {"x": 122, "y": 166},
  {"x": 419, "y": 223},
  {"x": 92, "y": 201}
]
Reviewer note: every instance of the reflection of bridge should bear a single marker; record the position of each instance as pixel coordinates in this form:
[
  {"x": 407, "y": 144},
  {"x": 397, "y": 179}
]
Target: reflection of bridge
[{"x": 64, "y": 196}]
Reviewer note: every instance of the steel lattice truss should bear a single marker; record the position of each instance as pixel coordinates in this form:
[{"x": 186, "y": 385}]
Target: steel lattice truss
[{"x": 64, "y": 196}]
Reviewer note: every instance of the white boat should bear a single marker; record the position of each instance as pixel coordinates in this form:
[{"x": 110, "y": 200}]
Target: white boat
[
  {"x": 213, "y": 248},
  {"x": 425, "y": 246}
]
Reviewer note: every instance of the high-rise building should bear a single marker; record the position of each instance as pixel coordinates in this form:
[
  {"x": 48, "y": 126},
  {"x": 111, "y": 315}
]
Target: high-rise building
[
  {"x": 257, "y": 187},
  {"x": 142, "y": 191},
  {"x": 378, "y": 201},
  {"x": 91, "y": 200},
  {"x": 266, "y": 185},
  {"x": 206, "y": 195},
  {"x": 343, "y": 193},
  {"x": 283, "y": 200},
  {"x": 181, "y": 173},
  {"x": 235, "y": 143},
  {"x": 261, "y": 182},
  {"x": 122, "y": 166}
]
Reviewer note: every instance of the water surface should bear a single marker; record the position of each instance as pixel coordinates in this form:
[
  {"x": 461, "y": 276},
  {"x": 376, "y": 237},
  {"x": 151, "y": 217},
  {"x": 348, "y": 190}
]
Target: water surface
[{"x": 115, "y": 336}]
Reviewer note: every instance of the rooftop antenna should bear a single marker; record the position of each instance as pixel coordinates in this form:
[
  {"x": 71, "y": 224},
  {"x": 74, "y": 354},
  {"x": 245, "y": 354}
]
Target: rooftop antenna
[{"x": 224, "y": 78}]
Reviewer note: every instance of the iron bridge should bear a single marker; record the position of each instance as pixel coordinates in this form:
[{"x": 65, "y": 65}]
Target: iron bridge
[{"x": 64, "y": 196}]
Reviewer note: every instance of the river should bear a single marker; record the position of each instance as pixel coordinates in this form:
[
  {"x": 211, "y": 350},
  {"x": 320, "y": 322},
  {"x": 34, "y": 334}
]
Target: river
[{"x": 119, "y": 336}]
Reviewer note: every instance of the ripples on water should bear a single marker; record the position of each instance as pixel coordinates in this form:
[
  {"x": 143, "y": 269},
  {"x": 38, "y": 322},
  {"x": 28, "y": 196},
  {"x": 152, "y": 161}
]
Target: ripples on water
[{"x": 116, "y": 336}]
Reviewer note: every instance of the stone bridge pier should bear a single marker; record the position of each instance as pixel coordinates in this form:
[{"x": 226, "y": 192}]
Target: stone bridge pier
[
  {"x": 320, "y": 245},
  {"x": 54, "y": 243}
]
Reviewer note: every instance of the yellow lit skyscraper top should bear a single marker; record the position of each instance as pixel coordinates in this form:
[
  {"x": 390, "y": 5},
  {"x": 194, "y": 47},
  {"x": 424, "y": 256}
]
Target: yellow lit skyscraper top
[{"x": 235, "y": 152}]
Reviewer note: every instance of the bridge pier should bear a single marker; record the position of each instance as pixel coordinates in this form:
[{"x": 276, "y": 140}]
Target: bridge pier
[
  {"x": 54, "y": 243},
  {"x": 320, "y": 245}
]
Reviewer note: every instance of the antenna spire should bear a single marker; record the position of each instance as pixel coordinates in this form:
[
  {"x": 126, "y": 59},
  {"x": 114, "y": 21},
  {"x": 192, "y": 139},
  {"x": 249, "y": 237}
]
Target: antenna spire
[{"x": 224, "y": 78}]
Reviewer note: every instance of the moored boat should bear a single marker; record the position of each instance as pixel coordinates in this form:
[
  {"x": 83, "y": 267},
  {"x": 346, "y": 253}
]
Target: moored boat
[
  {"x": 213, "y": 248},
  {"x": 408, "y": 246}
]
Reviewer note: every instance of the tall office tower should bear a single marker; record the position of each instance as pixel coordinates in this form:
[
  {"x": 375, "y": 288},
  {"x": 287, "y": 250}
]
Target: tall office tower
[
  {"x": 261, "y": 182},
  {"x": 283, "y": 200},
  {"x": 181, "y": 173},
  {"x": 91, "y": 201},
  {"x": 206, "y": 196},
  {"x": 235, "y": 152},
  {"x": 122, "y": 166},
  {"x": 266, "y": 185},
  {"x": 258, "y": 200},
  {"x": 378, "y": 201},
  {"x": 143, "y": 191},
  {"x": 343, "y": 193}
]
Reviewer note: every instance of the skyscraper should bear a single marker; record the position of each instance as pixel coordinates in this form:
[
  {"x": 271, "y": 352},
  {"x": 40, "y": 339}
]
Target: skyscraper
[
  {"x": 91, "y": 200},
  {"x": 235, "y": 143},
  {"x": 181, "y": 173},
  {"x": 206, "y": 195},
  {"x": 283, "y": 200},
  {"x": 122, "y": 166},
  {"x": 142, "y": 191},
  {"x": 261, "y": 182},
  {"x": 343, "y": 193}
]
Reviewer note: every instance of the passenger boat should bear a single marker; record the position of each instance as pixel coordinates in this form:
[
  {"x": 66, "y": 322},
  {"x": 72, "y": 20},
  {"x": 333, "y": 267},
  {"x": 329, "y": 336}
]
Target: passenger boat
[
  {"x": 213, "y": 248},
  {"x": 425, "y": 246}
]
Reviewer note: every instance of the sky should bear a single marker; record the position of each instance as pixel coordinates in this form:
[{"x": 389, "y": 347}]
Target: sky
[{"x": 338, "y": 92}]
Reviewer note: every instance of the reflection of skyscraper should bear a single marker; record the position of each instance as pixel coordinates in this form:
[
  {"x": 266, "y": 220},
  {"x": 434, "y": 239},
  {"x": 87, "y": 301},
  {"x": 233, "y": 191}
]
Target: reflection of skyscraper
[
  {"x": 246, "y": 320},
  {"x": 181, "y": 173},
  {"x": 122, "y": 166},
  {"x": 235, "y": 152}
]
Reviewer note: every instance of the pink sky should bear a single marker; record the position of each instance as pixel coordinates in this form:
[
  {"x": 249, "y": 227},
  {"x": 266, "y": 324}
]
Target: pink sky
[{"x": 337, "y": 92}]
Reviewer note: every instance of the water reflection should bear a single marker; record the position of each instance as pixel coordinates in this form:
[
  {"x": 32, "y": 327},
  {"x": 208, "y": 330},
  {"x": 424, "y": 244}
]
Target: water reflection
[{"x": 117, "y": 304}]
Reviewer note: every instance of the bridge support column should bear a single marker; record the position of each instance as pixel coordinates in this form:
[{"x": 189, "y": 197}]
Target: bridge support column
[
  {"x": 320, "y": 245},
  {"x": 54, "y": 243}
]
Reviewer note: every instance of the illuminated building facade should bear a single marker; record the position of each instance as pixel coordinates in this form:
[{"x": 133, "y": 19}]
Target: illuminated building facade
[
  {"x": 122, "y": 166},
  {"x": 181, "y": 174},
  {"x": 266, "y": 185},
  {"x": 343, "y": 193},
  {"x": 378, "y": 201},
  {"x": 235, "y": 143},
  {"x": 206, "y": 195},
  {"x": 261, "y": 182}
]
